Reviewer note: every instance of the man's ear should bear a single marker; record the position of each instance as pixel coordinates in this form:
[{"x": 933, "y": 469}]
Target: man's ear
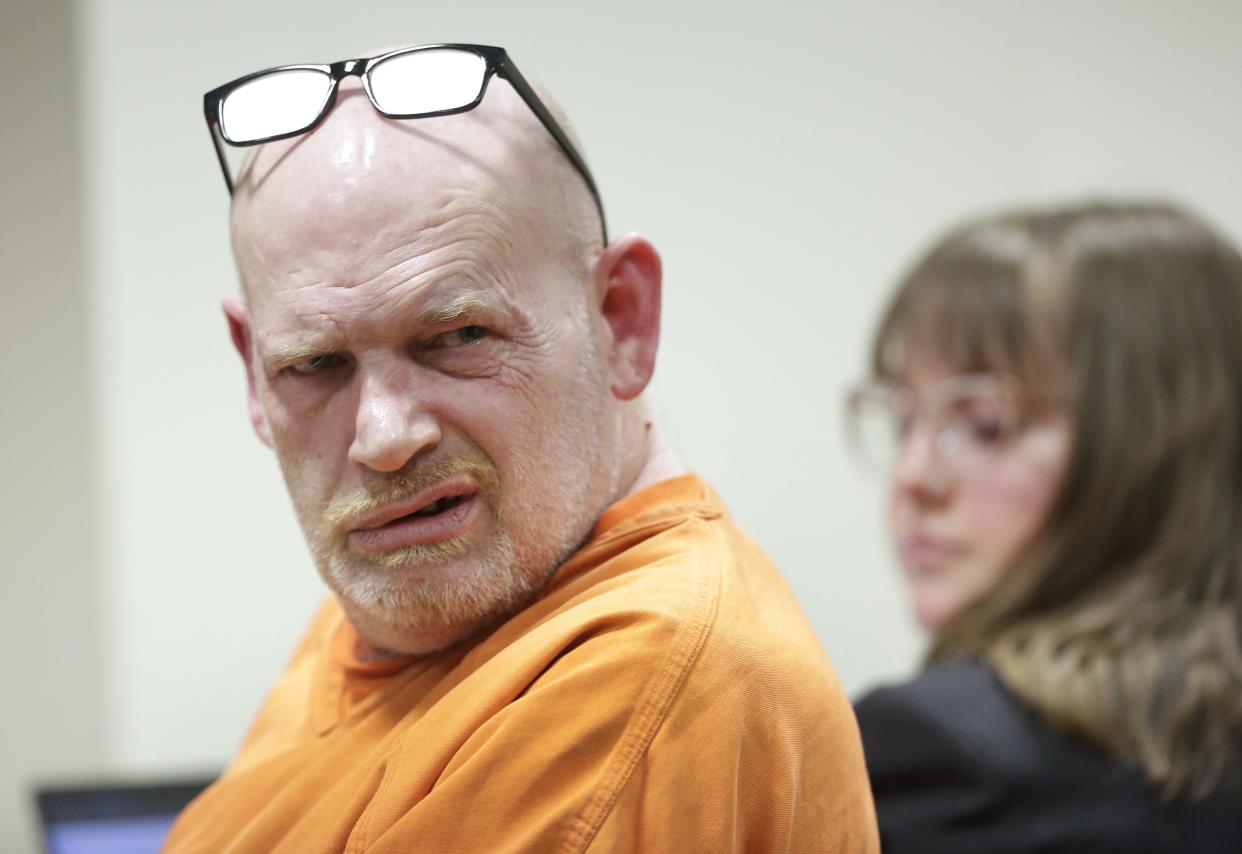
[
  {"x": 627, "y": 283},
  {"x": 239, "y": 331}
]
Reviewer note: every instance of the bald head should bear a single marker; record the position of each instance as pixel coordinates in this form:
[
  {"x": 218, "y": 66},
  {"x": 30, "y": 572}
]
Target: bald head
[{"x": 360, "y": 172}]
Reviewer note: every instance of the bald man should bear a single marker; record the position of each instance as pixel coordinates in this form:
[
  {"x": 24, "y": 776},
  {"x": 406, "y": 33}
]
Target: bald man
[{"x": 543, "y": 634}]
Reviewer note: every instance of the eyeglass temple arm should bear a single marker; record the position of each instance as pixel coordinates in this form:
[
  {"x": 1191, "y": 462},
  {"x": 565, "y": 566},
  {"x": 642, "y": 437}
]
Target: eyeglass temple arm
[
  {"x": 509, "y": 71},
  {"x": 212, "y": 110}
]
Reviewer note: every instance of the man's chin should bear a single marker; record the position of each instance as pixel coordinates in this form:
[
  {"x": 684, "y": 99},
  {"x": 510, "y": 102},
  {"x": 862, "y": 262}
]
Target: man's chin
[
  {"x": 413, "y": 631},
  {"x": 388, "y": 639},
  {"x": 416, "y": 608}
]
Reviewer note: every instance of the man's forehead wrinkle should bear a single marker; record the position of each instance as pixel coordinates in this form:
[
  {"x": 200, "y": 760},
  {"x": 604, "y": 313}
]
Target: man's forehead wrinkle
[
  {"x": 304, "y": 330},
  {"x": 466, "y": 240},
  {"x": 392, "y": 215},
  {"x": 465, "y": 234},
  {"x": 405, "y": 295},
  {"x": 491, "y": 224},
  {"x": 324, "y": 315}
]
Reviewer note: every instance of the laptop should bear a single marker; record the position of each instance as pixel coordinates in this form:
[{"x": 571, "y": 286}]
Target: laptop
[{"x": 112, "y": 817}]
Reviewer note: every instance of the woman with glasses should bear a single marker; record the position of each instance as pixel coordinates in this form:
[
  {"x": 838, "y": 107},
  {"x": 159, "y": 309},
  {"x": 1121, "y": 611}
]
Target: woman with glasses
[{"x": 1057, "y": 399}]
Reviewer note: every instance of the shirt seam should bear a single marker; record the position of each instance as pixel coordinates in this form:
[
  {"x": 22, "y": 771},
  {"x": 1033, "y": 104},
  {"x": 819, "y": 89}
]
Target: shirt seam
[{"x": 653, "y": 710}]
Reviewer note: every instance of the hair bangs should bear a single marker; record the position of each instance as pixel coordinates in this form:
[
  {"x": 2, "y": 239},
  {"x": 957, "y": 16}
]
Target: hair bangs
[{"x": 968, "y": 307}]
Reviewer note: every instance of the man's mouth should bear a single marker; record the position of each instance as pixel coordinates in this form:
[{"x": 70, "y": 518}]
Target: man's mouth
[
  {"x": 436, "y": 507},
  {"x": 441, "y": 513}
]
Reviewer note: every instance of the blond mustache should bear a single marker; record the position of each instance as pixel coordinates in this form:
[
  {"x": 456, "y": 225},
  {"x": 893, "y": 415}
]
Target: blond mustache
[{"x": 342, "y": 515}]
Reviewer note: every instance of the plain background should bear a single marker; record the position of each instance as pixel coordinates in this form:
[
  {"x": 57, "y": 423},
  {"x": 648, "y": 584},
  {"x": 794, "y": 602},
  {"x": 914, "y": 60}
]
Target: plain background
[{"x": 788, "y": 159}]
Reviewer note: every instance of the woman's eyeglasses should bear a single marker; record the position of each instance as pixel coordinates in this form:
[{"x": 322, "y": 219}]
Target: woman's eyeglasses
[
  {"x": 968, "y": 419},
  {"x": 409, "y": 83}
]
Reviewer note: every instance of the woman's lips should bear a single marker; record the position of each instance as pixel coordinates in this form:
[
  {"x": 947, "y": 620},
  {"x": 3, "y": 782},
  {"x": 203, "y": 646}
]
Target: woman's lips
[
  {"x": 920, "y": 552},
  {"x": 415, "y": 530}
]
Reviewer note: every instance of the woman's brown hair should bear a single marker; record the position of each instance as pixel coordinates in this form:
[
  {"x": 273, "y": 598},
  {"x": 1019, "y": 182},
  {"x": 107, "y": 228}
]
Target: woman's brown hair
[{"x": 1122, "y": 625}]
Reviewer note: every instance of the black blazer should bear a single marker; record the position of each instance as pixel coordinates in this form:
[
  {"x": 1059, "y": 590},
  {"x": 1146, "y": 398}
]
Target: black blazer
[{"x": 958, "y": 765}]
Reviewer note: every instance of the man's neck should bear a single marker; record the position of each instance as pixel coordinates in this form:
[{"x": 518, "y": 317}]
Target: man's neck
[{"x": 660, "y": 461}]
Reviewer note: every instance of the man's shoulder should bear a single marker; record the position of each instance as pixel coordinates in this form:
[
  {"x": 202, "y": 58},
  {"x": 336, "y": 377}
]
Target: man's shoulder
[
  {"x": 699, "y": 573},
  {"x": 655, "y": 590},
  {"x": 698, "y": 602},
  {"x": 698, "y": 656}
]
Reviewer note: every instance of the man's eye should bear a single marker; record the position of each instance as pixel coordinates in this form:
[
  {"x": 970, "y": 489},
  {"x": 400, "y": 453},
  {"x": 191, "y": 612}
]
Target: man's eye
[
  {"x": 460, "y": 337},
  {"x": 315, "y": 364}
]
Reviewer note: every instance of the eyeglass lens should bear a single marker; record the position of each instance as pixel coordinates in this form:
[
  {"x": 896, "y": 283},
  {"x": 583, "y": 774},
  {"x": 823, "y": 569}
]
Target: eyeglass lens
[
  {"x": 406, "y": 84},
  {"x": 968, "y": 420},
  {"x": 274, "y": 104},
  {"x": 427, "y": 81}
]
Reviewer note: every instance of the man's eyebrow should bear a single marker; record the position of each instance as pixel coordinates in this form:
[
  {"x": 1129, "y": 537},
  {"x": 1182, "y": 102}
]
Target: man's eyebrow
[
  {"x": 287, "y": 354},
  {"x": 460, "y": 304}
]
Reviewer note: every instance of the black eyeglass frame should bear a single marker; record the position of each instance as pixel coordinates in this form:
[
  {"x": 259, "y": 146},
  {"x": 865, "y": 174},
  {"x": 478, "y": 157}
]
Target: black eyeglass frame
[{"x": 497, "y": 63}]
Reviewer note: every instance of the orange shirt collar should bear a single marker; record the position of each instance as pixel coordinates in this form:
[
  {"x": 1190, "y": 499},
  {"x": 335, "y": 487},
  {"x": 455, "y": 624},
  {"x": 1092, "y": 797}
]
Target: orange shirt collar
[{"x": 667, "y": 495}]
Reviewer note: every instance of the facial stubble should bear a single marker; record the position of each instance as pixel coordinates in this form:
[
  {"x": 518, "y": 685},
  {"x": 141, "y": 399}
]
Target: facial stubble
[{"x": 456, "y": 583}]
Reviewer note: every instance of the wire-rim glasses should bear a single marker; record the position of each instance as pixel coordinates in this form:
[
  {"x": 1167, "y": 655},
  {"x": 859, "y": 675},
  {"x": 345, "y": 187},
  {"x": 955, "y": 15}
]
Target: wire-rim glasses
[
  {"x": 969, "y": 419},
  {"x": 407, "y": 83}
]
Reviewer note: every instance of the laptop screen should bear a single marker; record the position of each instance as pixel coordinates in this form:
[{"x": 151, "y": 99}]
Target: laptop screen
[{"x": 112, "y": 819}]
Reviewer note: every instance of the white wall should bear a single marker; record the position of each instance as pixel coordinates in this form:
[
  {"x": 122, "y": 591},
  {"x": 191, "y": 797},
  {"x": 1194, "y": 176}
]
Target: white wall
[
  {"x": 788, "y": 158},
  {"x": 52, "y": 652}
]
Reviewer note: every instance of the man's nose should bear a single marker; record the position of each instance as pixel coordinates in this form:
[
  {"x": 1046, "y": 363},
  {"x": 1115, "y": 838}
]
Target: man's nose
[{"x": 393, "y": 425}]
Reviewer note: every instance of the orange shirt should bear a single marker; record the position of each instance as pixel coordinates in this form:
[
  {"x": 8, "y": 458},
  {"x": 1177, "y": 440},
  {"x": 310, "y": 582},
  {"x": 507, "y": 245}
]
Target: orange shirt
[{"x": 664, "y": 692}]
